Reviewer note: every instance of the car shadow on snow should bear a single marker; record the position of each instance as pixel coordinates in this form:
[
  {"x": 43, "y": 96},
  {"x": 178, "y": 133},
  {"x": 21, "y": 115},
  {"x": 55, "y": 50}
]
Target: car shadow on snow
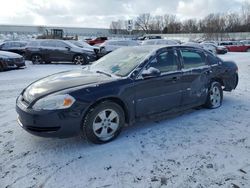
[{"x": 137, "y": 130}]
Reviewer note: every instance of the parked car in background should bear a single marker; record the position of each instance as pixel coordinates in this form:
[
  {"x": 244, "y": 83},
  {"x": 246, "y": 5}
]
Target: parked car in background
[
  {"x": 245, "y": 42},
  {"x": 149, "y": 37},
  {"x": 214, "y": 48},
  {"x": 111, "y": 45},
  {"x": 85, "y": 45},
  {"x": 48, "y": 50},
  {"x": 235, "y": 46},
  {"x": 127, "y": 85},
  {"x": 14, "y": 46},
  {"x": 209, "y": 47},
  {"x": 159, "y": 42},
  {"x": 98, "y": 40},
  {"x": 10, "y": 60}
]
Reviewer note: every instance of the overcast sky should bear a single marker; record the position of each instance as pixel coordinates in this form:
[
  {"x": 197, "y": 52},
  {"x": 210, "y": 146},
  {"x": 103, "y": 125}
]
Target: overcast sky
[{"x": 99, "y": 13}]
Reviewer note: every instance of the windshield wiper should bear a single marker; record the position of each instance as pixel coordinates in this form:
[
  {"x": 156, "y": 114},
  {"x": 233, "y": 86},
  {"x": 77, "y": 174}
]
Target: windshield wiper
[{"x": 101, "y": 72}]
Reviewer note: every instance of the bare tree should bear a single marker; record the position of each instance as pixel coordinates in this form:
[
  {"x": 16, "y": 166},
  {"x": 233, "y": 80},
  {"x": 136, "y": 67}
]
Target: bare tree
[
  {"x": 190, "y": 26},
  {"x": 215, "y": 26},
  {"x": 142, "y": 22},
  {"x": 157, "y": 24},
  {"x": 246, "y": 15},
  {"x": 233, "y": 22}
]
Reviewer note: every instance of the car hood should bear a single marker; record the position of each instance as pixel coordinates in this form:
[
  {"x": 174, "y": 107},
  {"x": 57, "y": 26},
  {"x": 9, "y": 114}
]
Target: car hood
[
  {"x": 61, "y": 81},
  {"x": 4, "y": 54}
]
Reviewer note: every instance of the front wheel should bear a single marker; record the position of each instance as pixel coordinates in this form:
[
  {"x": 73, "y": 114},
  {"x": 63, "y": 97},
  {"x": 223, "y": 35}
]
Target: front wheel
[
  {"x": 104, "y": 122},
  {"x": 79, "y": 60},
  {"x": 215, "y": 96}
]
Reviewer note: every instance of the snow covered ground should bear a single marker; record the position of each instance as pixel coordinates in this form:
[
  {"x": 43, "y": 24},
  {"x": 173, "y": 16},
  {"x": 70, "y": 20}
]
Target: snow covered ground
[{"x": 200, "y": 148}]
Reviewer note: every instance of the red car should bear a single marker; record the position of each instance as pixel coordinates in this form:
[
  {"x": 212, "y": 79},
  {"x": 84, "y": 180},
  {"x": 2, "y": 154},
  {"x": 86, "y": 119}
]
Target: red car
[
  {"x": 97, "y": 40},
  {"x": 235, "y": 46}
]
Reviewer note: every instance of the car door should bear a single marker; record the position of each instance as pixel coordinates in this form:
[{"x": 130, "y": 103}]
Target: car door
[
  {"x": 63, "y": 51},
  {"x": 160, "y": 93},
  {"x": 48, "y": 50},
  {"x": 195, "y": 76}
]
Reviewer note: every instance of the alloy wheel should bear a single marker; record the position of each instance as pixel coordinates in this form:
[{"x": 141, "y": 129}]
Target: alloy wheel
[
  {"x": 105, "y": 124},
  {"x": 215, "y": 97},
  {"x": 79, "y": 60},
  {"x": 37, "y": 59}
]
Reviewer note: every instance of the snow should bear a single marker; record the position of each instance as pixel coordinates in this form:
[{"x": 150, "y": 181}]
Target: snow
[{"x": 199, "y": 148}]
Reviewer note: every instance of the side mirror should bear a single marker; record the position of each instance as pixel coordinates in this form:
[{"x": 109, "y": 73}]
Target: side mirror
[
  {"x": 151, "y": 72},
  {"x": 68, "y": 48}
]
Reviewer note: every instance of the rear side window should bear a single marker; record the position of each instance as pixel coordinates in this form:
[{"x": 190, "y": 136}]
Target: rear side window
[
  {"x": 15, "y": 44},
  {"x": 22, "y": 44},
  {"x": 193, "y": 59},
  {"x": 212, "y": 60},
  {"x": 34, "y": 43}
]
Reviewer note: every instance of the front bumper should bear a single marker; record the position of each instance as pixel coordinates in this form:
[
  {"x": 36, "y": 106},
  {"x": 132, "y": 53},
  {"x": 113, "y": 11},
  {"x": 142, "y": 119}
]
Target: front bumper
[
  {"x": 16, "y": 63},
  {"x": 91, "y": 57},
  {"x": 57, "y": 123}
]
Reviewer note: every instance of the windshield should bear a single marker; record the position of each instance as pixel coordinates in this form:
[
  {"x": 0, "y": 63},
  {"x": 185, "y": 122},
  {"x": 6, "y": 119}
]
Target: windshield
[{"x": 122, "y": 61}]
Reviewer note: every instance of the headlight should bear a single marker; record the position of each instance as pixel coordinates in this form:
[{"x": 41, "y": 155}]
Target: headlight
[
  {"x": 89, "y": 52},
  {"x": 54, "y": 102}
]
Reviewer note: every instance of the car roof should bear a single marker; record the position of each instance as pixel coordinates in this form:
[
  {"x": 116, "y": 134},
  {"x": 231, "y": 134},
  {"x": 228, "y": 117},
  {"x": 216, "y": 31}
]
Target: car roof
[
  {"x": 159, "y": 47},
  {"x": 19, "y": 41}
]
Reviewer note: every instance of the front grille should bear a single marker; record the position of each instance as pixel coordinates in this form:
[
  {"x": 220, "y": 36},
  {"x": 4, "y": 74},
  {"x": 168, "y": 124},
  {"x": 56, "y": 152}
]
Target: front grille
[
  {"x": 42, "y": 129},
  {"x": 16, "y": 60},
  {"x": 26, "y": 103}
]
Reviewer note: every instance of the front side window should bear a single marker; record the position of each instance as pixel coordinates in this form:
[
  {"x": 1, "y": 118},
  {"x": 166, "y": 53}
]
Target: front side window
[
  {"x": 6, "y": 45},
  {"x": 165, "y": 61},
  {"x": 60, "y": 44},
  {"x": 193, "y": 59}
]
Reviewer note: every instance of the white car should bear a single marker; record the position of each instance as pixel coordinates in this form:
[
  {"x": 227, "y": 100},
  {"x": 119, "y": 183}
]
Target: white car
[
  {"x": 85, "y": 45},
  {"x": 111, "y": 45},
  {"x": 209, "y": 47},
  {"x": 159, "y": 42},
  {"x": 245, "y": 42}
]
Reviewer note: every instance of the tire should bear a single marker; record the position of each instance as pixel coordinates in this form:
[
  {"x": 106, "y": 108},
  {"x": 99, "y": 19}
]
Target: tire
[
  {"x": 79, "y": 60},
  {"x": 98, "y": 125},
  {"x": 215, "y": 96},
  {"x": 37, "y": 59},
  {"x": 248, "y": 50},
  {"x": 1, "y": 67}
]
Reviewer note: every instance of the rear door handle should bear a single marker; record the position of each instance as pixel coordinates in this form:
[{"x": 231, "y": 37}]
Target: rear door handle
[
  {"x": 175, "y": 78},
  {"x": 208, "y": 72}
]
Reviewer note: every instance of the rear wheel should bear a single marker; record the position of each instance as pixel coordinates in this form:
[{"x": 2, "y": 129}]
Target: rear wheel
[
  {"x": 1, "y": 67},
  {"x": 104, "y": 122},
  {"x": 37, "y": 59},
  {"x": 215, "y": 96},
  {"x": 79, "y": 60}
]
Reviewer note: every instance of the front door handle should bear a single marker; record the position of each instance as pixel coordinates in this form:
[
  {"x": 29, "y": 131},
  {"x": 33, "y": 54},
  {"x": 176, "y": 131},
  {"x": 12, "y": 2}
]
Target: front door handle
[{"x": 173, "y": 79}]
